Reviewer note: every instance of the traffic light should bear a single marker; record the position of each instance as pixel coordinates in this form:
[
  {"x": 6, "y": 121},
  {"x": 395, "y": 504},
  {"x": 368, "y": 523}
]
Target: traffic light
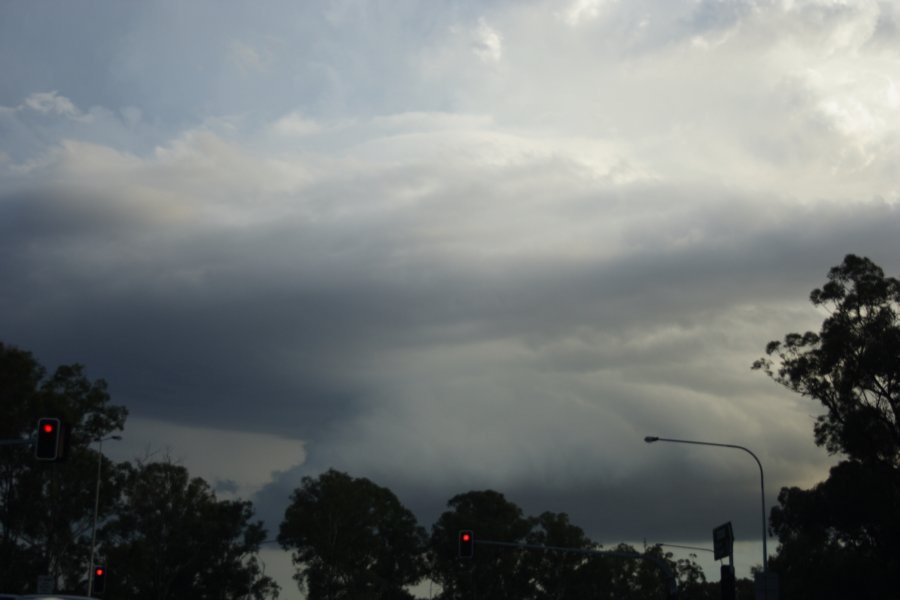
[
  {"x": 728, "y": 583},
  {"x": 99, "y": 585},
  {"x": 49, "y": 444},
  {"x": 466, "y": 543}
]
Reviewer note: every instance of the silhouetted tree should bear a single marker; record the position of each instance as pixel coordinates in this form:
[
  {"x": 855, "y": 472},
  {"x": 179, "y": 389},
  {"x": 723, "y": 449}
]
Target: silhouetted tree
[
  {"x": 561, "y": 564},
  {"x": 643, "y": 579},
  {"x": 851, "y": 366},
  {"x": 46, "y": 509},
  {"x": 171, "y": 539},
  {"x": 842, "y": 538},
  {"x": 352, "y": 540},
  {"x": 494, "y": 572},
  {"x": 691, "y": 579},
  {"x": 555, "y": 574}
]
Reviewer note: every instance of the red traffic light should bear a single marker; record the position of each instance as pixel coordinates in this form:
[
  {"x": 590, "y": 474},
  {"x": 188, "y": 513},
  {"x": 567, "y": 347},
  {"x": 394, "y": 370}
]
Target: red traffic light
[
  {"x": 466, "y": 543},
  {"x": 98, "y": 581},
  {"x": 50, "y": 443}
]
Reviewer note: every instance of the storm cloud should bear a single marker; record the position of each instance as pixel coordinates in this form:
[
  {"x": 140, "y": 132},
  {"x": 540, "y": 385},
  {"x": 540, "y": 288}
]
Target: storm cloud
[{"x": 449, "y": 247}]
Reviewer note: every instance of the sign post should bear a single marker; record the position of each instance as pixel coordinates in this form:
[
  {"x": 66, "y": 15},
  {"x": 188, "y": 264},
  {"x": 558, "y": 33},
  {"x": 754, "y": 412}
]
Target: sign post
[{"x": 723, "y": 545}]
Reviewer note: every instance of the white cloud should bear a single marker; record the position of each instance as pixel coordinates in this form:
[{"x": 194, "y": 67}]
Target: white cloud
[
  {"x": 51, "y": 103},
  {"x": 487, "y": 42},
  {"x": 580, "y": 11},
  {"x": 295, "y": 124}
]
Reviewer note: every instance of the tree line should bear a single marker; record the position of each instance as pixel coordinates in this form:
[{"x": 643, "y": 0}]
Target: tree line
[
  {"x": 353, "y": 539},
  {"x": 161, "y": 533},
  {"x": 165, "y": 535}
]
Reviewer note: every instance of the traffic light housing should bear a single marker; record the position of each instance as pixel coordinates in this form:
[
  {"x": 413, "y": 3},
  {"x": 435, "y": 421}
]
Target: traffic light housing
[
  {"x": 50, "y": 439},
  {"x": 466, "y": 543},
  {"x": 99, "y": 585}
]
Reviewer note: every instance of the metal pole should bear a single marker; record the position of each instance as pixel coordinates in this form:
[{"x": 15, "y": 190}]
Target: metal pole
[
  {"x": 94, "y": 526},
  {"x": 96, "y": 510},
  {"x": 762, "y": 487}
]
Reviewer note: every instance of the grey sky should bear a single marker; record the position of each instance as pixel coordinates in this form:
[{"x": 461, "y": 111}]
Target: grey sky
[{"x": 449, "y": 245}]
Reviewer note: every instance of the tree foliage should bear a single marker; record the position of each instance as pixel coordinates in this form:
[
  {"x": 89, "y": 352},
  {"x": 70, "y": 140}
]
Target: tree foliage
[
  {"x": 162, "y": 534},
  {"x": 842, "y": 538},
  {"x": 557, "y": 575},
  {"x": 46, "y": 510},
  {"x": 852, "y": 366},
  {"x": 352, "y": 539},
  {"x": 496, "y": 572},
  {"x": 171, "y": 539},
  {"x": 544, "y": 574}
]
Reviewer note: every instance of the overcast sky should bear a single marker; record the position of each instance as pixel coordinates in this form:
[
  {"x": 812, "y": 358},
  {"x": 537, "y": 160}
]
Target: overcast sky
[{"x": 450, "y": 245}]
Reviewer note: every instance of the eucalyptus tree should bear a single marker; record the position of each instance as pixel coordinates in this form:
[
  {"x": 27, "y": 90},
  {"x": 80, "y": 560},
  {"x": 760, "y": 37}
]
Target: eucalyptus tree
[
  {"x": 352, "y": 539},
  {"x": 171, "y": 538},
  {"x": 47, "y": 509},
  {"x": 842, "y": 538}
]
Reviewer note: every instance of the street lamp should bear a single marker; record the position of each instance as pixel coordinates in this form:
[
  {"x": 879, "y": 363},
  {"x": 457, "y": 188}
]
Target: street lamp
[
  {"x": 96, "y": 509},
  {"x": 652, "y": 438}
]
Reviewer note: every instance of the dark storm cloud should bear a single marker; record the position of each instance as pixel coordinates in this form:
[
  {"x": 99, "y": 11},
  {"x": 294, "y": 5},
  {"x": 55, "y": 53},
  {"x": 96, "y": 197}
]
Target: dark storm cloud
[
  {"x": 44, "y": 219},
  {"x": 620, "y": 302},
  {"x": 448, "y": 247},
  {"x": 241, "y": 324},
  {"x": 681, "y": 496}
]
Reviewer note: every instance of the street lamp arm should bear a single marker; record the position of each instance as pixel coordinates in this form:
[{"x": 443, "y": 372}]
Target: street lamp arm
[
  {"x": 762, "y": 484},
  {"x": 650, "y": 439}
]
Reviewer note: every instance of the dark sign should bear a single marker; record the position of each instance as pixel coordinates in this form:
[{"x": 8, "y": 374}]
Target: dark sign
[{"x": 723, "y": 541}]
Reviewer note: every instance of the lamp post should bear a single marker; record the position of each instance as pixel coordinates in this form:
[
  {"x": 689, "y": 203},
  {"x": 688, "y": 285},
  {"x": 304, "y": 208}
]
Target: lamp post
[
  {"x": 96, "y": 509},
  {"x": 652, "y": 438}
]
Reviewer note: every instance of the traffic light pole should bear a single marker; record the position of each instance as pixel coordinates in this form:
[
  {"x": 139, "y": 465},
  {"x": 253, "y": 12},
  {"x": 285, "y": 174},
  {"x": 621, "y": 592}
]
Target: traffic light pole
[
  {"x": 94, "y": 526},
  {"x": 669, "y": 575},
  {"x": 96, "y": 510}
]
